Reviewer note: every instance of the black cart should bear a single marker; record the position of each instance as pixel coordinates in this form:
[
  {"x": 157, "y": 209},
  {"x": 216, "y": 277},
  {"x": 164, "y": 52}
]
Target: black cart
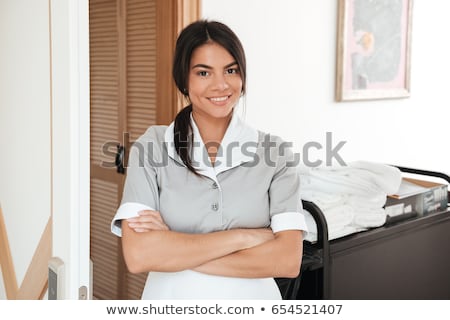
[{"x": 409, "y": 259}]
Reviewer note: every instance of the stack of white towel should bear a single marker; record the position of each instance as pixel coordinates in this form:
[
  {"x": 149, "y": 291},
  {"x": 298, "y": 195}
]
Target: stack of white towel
[{"x": 351, "y": 197}]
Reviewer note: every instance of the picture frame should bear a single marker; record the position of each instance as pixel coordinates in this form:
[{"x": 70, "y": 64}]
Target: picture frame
[{"x": 373, "y": 49}]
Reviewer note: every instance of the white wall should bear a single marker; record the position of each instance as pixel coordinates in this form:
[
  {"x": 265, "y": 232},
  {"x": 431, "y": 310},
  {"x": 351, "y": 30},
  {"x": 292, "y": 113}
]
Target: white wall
[
  {"x": 25, "y": 158},
  {"x": 44, "y": 132},
  {"x": 291, "y": 50}
]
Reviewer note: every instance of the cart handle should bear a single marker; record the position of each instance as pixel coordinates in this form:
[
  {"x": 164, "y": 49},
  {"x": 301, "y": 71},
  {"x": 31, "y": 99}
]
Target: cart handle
[{"x": 425, "y": 172}]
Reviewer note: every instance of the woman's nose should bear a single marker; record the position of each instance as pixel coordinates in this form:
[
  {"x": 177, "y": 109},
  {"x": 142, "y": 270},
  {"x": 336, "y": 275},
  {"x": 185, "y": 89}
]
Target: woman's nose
[{"x": 220, "y": 83}]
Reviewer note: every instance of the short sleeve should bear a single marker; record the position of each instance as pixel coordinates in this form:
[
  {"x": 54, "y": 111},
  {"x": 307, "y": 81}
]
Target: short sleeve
[
  {"x": 286, "y": 209},
  {"x": 141, "y": 187}
]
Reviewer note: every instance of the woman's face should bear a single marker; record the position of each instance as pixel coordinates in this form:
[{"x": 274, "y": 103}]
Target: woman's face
[{"x": 214, "y": 81}]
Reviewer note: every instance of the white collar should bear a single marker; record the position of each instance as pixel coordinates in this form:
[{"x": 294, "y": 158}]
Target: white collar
[{"x": 238, "y": 146}]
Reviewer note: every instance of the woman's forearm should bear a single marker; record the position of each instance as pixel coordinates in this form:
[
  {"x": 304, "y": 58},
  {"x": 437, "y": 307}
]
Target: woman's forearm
[
  {"x": 280, "y": 257},
  {"x": 169, "y": 251}
]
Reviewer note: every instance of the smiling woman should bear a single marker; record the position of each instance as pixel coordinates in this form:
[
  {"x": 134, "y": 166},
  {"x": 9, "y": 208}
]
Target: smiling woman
[
  {"x": 210, "y": 71},
  {"x": 215, "y": 84},
  {"x": 214, "y": 88},
  {"x": 222, "y": 217}
]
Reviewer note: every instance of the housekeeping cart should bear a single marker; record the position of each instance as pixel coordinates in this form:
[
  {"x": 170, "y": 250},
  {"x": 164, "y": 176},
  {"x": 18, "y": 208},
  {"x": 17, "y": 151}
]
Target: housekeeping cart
[{"x": 407, "y": 259}]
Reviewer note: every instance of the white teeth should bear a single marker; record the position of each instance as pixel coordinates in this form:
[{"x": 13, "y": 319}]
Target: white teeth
[{"x": 219, "y": 99}]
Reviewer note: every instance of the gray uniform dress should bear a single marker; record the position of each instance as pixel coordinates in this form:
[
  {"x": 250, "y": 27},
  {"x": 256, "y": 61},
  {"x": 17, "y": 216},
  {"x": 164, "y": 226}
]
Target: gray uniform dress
[{"x": 252, "y": 185}]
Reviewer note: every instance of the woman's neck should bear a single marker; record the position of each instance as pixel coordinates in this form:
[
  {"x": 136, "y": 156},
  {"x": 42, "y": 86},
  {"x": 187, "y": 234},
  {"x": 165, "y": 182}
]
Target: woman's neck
[{"x": 212, "y": 130}]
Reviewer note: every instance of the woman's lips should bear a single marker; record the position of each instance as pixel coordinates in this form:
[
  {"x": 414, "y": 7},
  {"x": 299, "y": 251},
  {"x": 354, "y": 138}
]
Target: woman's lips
[{"x": 220, "y": 101}]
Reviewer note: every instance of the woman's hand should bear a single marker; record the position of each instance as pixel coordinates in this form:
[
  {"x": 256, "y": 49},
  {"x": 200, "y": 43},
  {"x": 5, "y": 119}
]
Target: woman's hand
[
  {"x": 146, "y": 221},
  {"x": 149, "y": 220},
  {"x": 279, "y": 258},
  {"x": 147, "y": 236}
]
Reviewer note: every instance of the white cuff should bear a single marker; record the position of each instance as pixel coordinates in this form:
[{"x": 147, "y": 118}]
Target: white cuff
[
  {"x": 126, "y": 211},
  {"x": 289, "y": 221}
]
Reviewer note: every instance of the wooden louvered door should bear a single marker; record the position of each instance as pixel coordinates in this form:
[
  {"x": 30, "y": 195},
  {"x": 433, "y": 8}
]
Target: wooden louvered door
[
  {"x": 141, "y": 87},
  {"x": 131, "y": 45},
  {"x": 105, "y": 128}
]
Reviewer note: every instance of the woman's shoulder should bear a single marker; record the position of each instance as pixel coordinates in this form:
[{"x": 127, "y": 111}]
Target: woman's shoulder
[
  {"x": 153, "y": 140},
  {"x": 266, "y": 137},
  {"x": 276, "y": 148},
  {"x": 155, "y": 133}
]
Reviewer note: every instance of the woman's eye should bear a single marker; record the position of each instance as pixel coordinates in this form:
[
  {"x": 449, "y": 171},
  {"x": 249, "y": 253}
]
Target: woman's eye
[
  {"x": 203, "y": 73},
  {"x": 232, "y": 71}
]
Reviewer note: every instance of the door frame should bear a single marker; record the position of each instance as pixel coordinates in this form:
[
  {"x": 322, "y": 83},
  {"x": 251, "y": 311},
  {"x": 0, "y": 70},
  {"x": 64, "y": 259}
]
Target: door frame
[{"x": 69, "y": 60}]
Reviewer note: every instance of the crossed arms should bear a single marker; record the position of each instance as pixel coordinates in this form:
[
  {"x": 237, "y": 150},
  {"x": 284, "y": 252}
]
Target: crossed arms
[{"x": 149, "y": 245}]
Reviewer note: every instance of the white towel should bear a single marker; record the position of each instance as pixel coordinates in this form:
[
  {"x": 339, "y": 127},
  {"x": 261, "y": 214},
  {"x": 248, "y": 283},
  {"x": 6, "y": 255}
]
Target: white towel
[
  {"x": 322, "y": 199},
  {"x": 369, "y": 212},
  {"x": 339, "y": 216},
  {"x": 333, "y": 232},
  {"x": 369, "y": 218},
  {"x": 374, "y": 201},
  {"x": 360, "y": 177},
  {"x": 351, "y": 197},
  {"x": 387, "y": 178}
]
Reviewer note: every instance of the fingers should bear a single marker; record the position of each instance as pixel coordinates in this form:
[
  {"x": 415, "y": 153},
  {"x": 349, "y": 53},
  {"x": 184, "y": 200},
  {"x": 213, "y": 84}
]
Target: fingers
[
  {"x": 146, "y": 221},
  {"x": 151, "y": 213},
  {"x": 147, "y": 226}
]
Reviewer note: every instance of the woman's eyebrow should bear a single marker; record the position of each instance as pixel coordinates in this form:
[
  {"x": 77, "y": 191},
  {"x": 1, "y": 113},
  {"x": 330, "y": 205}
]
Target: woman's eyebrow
[
  {"x": 230, "y": 64},
  {"x": 201, "y": 65}
]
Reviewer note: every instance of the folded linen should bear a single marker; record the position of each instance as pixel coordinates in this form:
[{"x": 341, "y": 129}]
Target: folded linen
[
  {"x": 333, "y": 232},
  {"x": 387, "y": 178},
  {"x": 351, "y": 197},
  {"x": 374, "y": 201},
  {"x": 369, "y": 218},
  {"x": 322, "y": 199},
  {"x": 339, "y": 216},
  {"x": 359, "y": 177}
]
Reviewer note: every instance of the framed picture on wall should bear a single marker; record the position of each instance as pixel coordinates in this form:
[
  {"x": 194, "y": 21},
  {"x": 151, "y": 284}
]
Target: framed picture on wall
[{"x": 373, "y": 49}]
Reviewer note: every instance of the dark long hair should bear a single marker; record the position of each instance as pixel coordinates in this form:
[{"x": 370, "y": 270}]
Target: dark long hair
[{"x": 193, "y": 36}]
